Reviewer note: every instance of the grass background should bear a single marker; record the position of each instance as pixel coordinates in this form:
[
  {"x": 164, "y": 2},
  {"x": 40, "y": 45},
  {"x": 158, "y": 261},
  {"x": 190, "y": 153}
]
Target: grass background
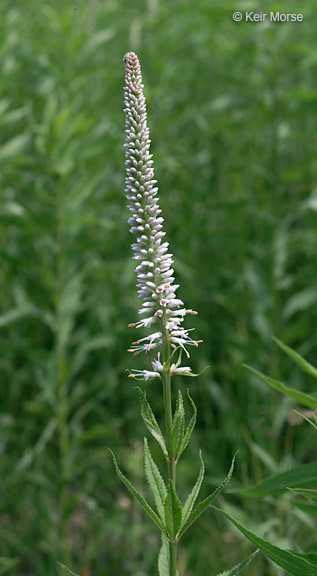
[{"x": 232, "y": 113}]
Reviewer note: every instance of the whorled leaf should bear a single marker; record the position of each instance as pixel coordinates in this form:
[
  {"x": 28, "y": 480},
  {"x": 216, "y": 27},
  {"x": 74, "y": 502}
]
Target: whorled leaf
[
  {"x": 146, "y": 507},
  {"x": 173, "y": 511},
  {"x": 155, "y": 480},
  {"x": 178, "y": 425},
  {"x": 151, "y": 422},
  {"x": 201, "y": 507},
  {"x": 189, "y": 504},
  {"x": 189, "y": 429},
  {"x": 164, "y": 559}
]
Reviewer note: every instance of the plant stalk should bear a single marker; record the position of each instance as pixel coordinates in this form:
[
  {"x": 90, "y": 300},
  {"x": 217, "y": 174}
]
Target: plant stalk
[{"x": 167, "y": 395}]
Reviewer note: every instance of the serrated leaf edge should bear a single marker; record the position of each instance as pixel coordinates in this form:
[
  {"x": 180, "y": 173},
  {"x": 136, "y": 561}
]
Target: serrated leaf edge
[
  {"x": 201, "y": 507},
  {"x": 189, "y": 504},
  {"x": 189, "y": 429},
  {"x": 172, "y": 506},
  {"x": 155, "y": 480},
  {"x": 146, "y": 507}
]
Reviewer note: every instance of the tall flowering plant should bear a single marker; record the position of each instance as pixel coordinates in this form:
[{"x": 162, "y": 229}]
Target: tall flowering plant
[{"x": 163, "y": 313}]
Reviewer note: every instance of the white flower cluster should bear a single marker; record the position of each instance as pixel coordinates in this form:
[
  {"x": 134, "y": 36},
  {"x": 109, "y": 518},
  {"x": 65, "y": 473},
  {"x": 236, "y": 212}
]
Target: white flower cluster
[
  {"x": 154, "y": 270},
  {"x": 158, "y": 369}
]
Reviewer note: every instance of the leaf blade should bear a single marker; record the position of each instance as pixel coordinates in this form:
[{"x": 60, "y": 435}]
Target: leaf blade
[
  {"x": 279, "y": 483},
  {"x": 146, "y": 507},
  {"x": 150, "y": 421},
  {"x": 201, "y": 507},
  {"x": 155, "y": 480},
  {"x": 173, "y": 511},
  {"x": 288, "y": 560},
  {"x": 189, "y": 504},
  {"x": 238, "y": 567},
  {"x": 300, "y": 360},
  {"x": 301, "y": 397},
  {"x": 311, "y": 494},
  {"x": 178, "y": 425},
  {"x": 164, "y": 559},
  {"x": 189, "y": 429}
]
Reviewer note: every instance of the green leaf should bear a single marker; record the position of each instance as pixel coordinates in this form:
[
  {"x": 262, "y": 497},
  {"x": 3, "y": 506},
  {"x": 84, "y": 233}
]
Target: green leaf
[
  {"x": 306, "y": 366},
  {"x": 164, "y": 559},
  {"x": 146, "y": 507},
  {"x": 238, "y": 567},
  {"x": 279, "y": 483},
  {"x": 311, "y": 494},
  {"x": 294, "y": 563},
  {"x": 178, "y": 424},
  {"x": 150, "y": 421},
  {"x": 189, "y": 504},
  {"x": 301, "y": 397},
  {"x": 310, "y": 556},
  {"x": 307, "y": 419},
  {"x": 201, "y": 507},
  {"x": 189, "y": 429},
  {"x": 308, "y": 508},
  {"x": 155, "y": 480},
  {"x": 63, "y": 567},
  {"x": 173, "y": 511}
]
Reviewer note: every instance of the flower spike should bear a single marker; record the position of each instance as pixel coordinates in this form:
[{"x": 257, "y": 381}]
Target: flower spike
[{"x": 155, "y": 275}]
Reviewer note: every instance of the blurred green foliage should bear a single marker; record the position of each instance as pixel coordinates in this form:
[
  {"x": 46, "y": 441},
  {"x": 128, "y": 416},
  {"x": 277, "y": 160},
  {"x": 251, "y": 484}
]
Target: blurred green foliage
[{"x": 233, "y": 124}]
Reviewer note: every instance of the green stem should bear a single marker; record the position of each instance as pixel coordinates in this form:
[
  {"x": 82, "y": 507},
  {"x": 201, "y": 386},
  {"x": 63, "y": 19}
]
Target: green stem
[{"x": 167, "y": 395}]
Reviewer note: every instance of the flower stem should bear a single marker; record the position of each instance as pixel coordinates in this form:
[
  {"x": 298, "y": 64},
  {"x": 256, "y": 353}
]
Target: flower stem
[{"x": 167, "y": 394}]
